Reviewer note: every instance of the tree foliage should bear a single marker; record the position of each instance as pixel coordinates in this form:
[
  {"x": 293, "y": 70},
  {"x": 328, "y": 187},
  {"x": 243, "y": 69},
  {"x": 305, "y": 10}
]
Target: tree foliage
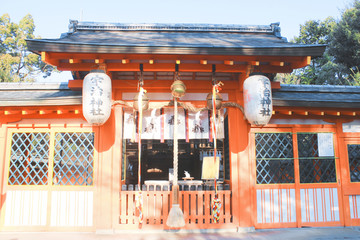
[
  {"x": 339, "y": 64},
  {"x": 345, "y": 38},
  {"x": 322, "y": 70},
  {"x": 16, "y": 62},
  {"x": 315, "y": 32}
]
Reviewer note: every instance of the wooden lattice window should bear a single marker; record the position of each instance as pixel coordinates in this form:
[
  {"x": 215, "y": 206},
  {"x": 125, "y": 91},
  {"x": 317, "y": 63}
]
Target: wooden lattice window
[
  {"x": 354, "y": 162},
  {"x": 73, "y": 158},
  {"x": 314, "y": 168},
  {"x": 274, "y": 158},
  {"x": 66, "y": 156},
  {"x": 29, "y": 158}
]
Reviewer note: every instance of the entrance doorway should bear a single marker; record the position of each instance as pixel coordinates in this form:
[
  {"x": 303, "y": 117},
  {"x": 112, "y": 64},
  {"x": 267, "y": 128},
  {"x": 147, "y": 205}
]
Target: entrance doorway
[
  {"x": 351, "y": 181},
  {"x": 297, "y": 177}
]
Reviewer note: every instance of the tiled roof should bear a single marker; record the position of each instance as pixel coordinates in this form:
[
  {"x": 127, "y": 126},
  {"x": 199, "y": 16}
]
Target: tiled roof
[
  {"x": 93, "y": 37},
  {"x": 317, "y": 96},
  {"x": 38, "y": 94}
]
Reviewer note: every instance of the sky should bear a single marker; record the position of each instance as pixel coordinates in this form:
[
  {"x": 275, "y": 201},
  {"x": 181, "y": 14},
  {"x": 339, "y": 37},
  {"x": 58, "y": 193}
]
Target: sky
[{"x": 52, "y": 17}]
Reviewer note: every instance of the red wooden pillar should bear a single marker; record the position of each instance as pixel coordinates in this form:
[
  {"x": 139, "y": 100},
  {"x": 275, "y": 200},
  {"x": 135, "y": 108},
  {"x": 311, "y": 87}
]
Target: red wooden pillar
[
  {"x": 240, "y": 164},
  {"x": 3, "y": 173},
  {"x": 104, "y": 180},
  {"x": 117, "y": 161},
  {"x": 344, "y": 175}
]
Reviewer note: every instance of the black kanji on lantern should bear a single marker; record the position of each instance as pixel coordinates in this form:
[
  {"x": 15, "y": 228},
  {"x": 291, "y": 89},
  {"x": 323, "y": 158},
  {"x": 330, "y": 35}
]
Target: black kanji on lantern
[
  {"x": 266, "y": 100},
  {"x": 96, "y": 92}
]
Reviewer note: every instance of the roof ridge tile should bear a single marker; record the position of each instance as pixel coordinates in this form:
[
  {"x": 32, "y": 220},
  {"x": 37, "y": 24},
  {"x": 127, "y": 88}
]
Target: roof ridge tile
[{"x": 178, "y": 27}]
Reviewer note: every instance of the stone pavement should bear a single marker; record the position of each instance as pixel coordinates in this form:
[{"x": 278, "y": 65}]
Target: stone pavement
[{"x": 276, "y": 234}]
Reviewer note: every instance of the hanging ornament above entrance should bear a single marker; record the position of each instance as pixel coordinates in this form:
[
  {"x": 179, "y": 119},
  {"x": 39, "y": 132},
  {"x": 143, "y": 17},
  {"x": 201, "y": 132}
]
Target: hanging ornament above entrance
[
  {"x": 178, "y": 88},
  {"x": 96, "y": 97},
  {"x": 176, "y": 217},
  {"x": 141, "y": 100},
  {"x": 218, "y": 101},
  {"x": 144, "y": 102},
  {"x": 257, "y": 100},
  {"x": 215, "y": 101}
]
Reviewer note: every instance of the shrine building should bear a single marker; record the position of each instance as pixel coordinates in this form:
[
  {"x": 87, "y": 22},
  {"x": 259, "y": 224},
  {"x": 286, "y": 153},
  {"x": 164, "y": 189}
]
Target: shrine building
[{"x": 177, "y": 116}]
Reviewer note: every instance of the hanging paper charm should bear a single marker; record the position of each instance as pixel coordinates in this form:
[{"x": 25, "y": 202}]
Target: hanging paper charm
[
  {"x": 257, "y": 100},
  {"x": 96, "y": 97}
]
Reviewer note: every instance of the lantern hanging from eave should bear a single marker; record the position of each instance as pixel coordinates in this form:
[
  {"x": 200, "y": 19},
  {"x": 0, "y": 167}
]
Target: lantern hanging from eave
[
  {"x": 96, "y": 97},
  {"x": 257, "y": 100}
]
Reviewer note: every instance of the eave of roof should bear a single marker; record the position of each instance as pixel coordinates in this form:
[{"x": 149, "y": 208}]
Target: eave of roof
[
  {"x": 40, "y": 94},
  {"x": 48, "y": 46}
]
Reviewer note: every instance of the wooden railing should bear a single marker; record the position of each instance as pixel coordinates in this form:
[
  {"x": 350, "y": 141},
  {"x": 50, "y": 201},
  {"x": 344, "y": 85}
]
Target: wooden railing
[{"x": 196, "y": 206}]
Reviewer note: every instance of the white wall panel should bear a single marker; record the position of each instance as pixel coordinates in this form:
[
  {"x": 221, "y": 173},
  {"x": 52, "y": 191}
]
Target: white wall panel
[
  {"x": 319, "y": 205},
  {"x": 354, "y": 201},
  {"x": 72, "y": 208},
  {"x": 275, "y": 205},
  {"x": 25, "y": 208}
]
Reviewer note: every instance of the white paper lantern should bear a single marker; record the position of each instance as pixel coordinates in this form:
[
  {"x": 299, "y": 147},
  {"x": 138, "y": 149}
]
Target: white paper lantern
[
  {"x": 96, "y": 97},
  {"x": 258, "y": 100}
]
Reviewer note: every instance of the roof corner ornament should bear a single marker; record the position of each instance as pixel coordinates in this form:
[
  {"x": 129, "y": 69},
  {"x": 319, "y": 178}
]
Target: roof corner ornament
[
  {"x": 276, "y": 29},
  {"x": 73, "y": 25}
]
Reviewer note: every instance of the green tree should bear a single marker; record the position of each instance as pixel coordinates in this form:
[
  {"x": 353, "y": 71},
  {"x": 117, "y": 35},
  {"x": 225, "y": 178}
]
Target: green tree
[
  {"x": 345, "y": 41},
  {"x": 355, "y": 77},
  {"x": 16, "y": 63},
  {"x": 340, "y": 63},
  {"x": 315, "y": 32},
  {"x": 322, "y": 70}
]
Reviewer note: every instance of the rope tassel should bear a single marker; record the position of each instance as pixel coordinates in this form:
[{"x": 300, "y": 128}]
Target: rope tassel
[
  {"x": 176, "y": 216},
  {"x": 139, "y": 197},
  {"x": 216, "y": 206},
  {"x": 139, "y": 206}
]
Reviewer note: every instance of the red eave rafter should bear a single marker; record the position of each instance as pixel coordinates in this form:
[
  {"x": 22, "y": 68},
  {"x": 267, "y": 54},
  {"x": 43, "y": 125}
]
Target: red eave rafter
[
  {"x": 10, "y": 114},
  {"x": 162, "y": 85},
  {"x": 315, "y": 113},
  {"x": 187, "y": 63}
]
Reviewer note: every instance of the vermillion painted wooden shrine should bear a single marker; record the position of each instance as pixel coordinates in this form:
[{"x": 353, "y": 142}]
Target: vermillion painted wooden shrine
[{"x": 106, "y": 151}]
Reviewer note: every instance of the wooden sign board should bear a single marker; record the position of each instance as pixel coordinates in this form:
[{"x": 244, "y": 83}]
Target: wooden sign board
[{"x": 210, "y": 168}]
